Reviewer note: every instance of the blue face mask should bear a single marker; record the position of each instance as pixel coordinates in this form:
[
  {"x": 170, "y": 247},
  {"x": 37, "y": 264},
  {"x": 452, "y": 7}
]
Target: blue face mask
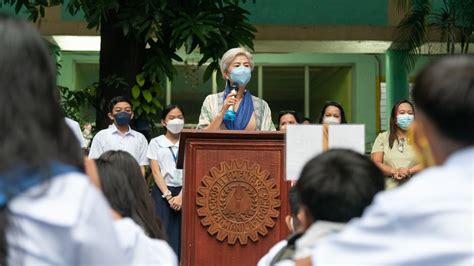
[
  {"x": 122, "y": 118},
  {"x": 404, "y": 121},
  {"x": 241, "y": 75}
]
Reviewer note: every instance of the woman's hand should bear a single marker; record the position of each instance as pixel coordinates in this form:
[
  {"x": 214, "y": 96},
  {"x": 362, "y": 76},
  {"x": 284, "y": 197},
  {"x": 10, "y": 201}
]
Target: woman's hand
[
  {"x": 401, "y": 173},
  {"x": 230, "y": 100},
  {"x": 405, "y": 172},
  {"x": 176, "y": 202}
]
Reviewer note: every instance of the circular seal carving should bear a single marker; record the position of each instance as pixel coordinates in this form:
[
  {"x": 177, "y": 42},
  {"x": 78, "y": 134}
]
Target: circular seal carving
[{"x": 237, "y": 201}]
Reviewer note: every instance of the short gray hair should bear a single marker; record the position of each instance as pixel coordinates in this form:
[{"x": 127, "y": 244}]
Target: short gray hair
[{"x": 231, "y": 54}]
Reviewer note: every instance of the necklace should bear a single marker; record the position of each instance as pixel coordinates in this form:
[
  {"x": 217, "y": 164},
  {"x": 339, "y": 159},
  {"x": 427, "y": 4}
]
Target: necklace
[{"x": 401, "y": 144}]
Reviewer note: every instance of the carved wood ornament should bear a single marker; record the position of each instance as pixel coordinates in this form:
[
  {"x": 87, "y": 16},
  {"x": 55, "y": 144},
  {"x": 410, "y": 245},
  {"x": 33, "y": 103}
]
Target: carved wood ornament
[{"x": 238, "y": 201}]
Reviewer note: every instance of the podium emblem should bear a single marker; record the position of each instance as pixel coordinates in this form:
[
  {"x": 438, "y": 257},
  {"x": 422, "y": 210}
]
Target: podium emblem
[{"x": 237, "y": 201}]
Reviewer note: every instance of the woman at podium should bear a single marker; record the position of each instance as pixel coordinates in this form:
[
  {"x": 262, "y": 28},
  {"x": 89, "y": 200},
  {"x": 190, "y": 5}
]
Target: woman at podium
[{"x": 235, "y": 108}]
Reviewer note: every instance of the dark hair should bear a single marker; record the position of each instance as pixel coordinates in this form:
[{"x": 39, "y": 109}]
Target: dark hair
[
  {"x": 306, "y": 119},
  {"x": 338, "y": 106},
  {"x": 444, "y": 91},
  {"x": 116, "y": 100},
  {"x": 337, "y": 185},
  {"x": 287, "y": 112},
  {"x": 294, "y": 206},
  {"x": 393, "y": 122},
  {"x": 168, "y": 109},
  {"x": 294, "y": 202},
  {"x": 35, "y": 132},
  {"x": 124, "y": 187}
]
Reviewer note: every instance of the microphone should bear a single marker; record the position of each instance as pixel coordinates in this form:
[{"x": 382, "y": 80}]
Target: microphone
[{"x": 230, "y": 114}]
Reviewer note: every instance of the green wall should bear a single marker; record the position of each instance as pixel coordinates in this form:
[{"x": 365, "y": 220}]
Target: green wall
[
  {"x": 318, "y": 12},
  {"x": 331, "y": 84},
  {"x": 75, "y": 77}
]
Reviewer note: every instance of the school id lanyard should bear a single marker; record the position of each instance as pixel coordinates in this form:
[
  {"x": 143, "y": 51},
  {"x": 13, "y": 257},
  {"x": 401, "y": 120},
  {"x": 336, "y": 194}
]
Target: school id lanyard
[{"x": 174, "y": 155}]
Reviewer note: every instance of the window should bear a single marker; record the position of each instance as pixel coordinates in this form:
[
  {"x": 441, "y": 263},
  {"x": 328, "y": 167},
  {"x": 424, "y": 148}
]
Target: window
[{"x": 283, "y": 89}]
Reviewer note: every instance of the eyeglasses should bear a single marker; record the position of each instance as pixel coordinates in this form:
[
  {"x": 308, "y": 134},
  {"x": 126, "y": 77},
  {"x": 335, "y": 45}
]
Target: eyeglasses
[{"x": 401, "y": 144}]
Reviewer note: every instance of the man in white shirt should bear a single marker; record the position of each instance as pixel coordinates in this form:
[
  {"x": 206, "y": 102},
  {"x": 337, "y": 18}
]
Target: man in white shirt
[
  {"x": 429, "y": 220},
  {"x": 76, "y": 129},
  {"x": 119, "y": 135}
]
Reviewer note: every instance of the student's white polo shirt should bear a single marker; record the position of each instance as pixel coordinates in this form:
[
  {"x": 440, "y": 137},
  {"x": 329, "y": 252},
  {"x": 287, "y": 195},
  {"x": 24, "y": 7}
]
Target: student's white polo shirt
[{"x": 111, "y": 138}]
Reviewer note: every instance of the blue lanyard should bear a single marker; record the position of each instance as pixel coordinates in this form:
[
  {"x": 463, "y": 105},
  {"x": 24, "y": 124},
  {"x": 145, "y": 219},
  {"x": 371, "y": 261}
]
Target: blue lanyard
[{"x": 174, "y": 155}]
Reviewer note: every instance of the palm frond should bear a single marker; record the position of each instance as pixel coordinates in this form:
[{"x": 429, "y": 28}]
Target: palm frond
[
  {"x": 403, "y": 5},
  {"x": 411, "y": 31}
]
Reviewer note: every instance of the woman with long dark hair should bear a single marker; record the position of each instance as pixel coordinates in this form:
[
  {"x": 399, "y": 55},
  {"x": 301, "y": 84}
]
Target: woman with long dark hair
[
  {"x": 50, "y": 213},
  {"x": 392, "y": 151},
  {"x": 167, "y": 190},
  {"x": 140, "y": 232}
]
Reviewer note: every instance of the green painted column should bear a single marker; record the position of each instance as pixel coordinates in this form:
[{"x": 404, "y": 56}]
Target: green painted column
[{"x": 396, "y": 78}]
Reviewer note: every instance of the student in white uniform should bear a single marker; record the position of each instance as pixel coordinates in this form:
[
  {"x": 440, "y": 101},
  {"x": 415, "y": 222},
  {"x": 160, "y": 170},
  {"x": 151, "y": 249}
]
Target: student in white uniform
[
  {"x": 167, "y": 191},
  {"x": 50, "y": 213},
  {"x": 76, "y": 129},
  {"x": 119, "y": 135},
  {"x": 139, "y": 230},
  {"x": 429, "y": 220}
]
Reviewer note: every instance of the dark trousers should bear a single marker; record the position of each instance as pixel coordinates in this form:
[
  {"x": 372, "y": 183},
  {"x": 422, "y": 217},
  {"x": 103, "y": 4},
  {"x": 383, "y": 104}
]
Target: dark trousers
[{"x": 170, "y": 218}]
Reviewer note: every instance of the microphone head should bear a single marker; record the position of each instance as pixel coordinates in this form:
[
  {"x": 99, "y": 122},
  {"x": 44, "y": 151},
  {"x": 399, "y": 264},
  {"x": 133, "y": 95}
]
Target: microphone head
[{"x": 235, "y": 86}]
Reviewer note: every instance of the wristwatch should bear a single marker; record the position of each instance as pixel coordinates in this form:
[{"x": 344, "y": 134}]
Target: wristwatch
[{"x": 166, "y": 194}]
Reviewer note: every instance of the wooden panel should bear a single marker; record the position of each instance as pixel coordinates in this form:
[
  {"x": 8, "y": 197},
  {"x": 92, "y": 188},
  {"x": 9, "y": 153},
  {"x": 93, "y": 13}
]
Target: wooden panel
[{"x": 206, "y": 152}]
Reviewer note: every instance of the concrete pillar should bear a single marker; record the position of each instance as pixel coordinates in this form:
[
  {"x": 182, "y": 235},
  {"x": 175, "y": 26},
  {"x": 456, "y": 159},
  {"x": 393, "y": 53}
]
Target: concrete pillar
[{"x": 396, "y": 78}]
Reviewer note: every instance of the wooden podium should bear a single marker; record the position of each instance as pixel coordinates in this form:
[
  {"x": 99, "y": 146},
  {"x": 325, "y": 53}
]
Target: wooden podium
[{"x": 235, "y": 196}]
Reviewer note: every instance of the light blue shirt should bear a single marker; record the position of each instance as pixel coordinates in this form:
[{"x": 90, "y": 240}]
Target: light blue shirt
[
  {"x": 110, "y": 138},
  {"x": 428, "y": 221}
]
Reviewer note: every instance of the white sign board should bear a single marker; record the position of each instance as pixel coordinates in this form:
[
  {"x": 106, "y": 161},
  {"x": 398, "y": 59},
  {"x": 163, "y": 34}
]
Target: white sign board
[
  {"x": 303, "y": 142},
  {"x": 347, "y": 137}
]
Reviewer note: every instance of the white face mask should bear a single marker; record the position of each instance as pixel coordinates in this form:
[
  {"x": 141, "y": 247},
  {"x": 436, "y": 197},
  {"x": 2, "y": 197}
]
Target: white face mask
[
  {"x": 331, "y": 120},
  {"x": 175, "y": 126}
]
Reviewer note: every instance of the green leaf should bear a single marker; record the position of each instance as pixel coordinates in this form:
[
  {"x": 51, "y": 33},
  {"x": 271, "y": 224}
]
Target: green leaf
[
  {"x": 139, "y": 112},
  {"x": 136, "y": 92},
  {"x": 147, "y": 95},
  {"x": 140, "y": 80},
  {"x": 208, "y": 72},
  {"x": 157, "y": 103},
  {"x": 146, "y": 108},
  {"x": 188, "y": 45},
  {"x": 135, "y": 103},
  {"x": 126, "y": 29}
]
